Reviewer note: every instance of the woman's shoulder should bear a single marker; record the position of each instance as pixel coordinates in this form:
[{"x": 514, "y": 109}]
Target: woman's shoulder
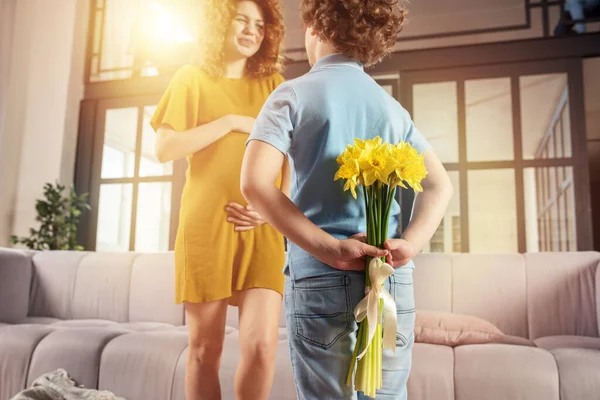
[
  {"x": 277, "y": 79},
  {"x": 189, "y": 74},
  {"x": 273, "y": 80}
]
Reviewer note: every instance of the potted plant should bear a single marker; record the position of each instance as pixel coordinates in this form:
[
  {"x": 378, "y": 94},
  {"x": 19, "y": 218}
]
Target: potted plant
[{"x": 58, "y": 214}]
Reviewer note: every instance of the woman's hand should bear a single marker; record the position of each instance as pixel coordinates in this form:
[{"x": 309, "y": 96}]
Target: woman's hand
[
  {"x": 244, "y": 218},
  {"x": 172, "y": 145},
  {"x": 240, "y": 123}
]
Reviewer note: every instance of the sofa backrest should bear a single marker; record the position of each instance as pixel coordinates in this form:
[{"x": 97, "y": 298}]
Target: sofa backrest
[
  {"x": 530, "y": 295},
  {"x": 562, "y": 294},
  {"x": 491, "y": 287},
  {"x": 15, "y": 280},
  {"x": 121, "y": 287}
]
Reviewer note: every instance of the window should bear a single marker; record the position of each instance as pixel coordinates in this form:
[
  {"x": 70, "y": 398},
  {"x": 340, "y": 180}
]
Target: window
[
  {"x": 135, "y": 38},
  {"x": 133, "y": 194},
  {"x": 505, "y": 138}
]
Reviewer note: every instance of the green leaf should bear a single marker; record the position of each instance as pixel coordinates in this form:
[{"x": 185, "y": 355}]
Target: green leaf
[{"x": 58, "y": 214}]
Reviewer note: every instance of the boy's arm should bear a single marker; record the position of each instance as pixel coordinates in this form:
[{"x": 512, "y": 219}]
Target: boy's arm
[
  {"x": 285, "y": 178},
  {"x": 429, "y": 209},
  {"x": 260, "y": 169}
]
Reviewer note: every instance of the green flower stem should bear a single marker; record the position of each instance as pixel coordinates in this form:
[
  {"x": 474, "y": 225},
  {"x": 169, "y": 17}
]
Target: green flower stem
[
  {"x": 369, "y": 364},
  {"x": 390, "y": 199},
  {"x": 368, "y": 206},
  {"x": 357, "y": 346},
  {"x": 379, "y": 355},
  {"x": 367, "y": 372}
]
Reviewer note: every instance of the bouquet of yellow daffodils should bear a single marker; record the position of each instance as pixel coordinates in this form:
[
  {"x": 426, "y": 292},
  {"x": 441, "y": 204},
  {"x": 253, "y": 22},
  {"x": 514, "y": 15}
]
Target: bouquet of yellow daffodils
[{"x": 379, "y": 168}]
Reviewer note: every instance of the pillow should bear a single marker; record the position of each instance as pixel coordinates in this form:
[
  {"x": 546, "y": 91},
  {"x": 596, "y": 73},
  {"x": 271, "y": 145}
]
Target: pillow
[{"x": 453, "y": 329}]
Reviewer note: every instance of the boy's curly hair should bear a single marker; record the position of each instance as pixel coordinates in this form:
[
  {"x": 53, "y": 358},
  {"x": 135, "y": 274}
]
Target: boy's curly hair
[
  {"x": 365, "y": 30},
  {"x": 217, "y": 16}
]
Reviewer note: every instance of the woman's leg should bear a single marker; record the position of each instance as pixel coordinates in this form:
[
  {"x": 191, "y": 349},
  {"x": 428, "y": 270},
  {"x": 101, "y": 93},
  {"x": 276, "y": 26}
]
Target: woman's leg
[
  {"x": 259, "y": 321},
  {"x": 206, "y": 322}
]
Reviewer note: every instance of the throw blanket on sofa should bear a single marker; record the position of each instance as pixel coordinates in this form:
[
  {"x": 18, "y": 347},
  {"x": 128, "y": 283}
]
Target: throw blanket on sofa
[{"x": 58, "y": 386}]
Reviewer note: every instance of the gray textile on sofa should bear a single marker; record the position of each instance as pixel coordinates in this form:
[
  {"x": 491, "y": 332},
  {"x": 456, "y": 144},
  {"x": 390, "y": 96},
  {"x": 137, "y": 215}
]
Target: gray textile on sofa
[
  {"x": 57, "y": 385},
  {"x": 110, "y": 321}
]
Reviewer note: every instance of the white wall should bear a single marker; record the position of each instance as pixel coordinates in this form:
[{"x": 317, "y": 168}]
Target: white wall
[
  {"x": 7, "y": 11},
  {"x": 46, "y": 85}
]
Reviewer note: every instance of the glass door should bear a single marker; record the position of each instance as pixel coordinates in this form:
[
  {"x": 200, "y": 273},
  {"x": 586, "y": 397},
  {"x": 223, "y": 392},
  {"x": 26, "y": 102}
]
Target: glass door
[
  {"x": 134, "y": 198},
  {"x": 507, "y": 136}
]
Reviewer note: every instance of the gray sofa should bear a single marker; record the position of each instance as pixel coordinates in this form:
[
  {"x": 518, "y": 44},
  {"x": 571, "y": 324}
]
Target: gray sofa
[{"x": 110, "y": 321}]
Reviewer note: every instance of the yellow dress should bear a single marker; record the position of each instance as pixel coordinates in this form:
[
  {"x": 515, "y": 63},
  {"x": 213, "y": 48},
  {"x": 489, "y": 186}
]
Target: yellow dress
[{"x": 212, "y": 260}]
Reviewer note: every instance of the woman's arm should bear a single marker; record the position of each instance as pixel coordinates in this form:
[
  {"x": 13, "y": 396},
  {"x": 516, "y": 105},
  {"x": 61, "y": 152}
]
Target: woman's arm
[{"x": 172, "y": 145}]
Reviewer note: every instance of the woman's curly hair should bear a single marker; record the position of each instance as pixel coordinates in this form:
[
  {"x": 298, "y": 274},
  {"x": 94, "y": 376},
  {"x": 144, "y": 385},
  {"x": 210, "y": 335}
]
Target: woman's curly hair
[
  {"x": 365, "y": 30},
  {"x": 217, "y": 16}
]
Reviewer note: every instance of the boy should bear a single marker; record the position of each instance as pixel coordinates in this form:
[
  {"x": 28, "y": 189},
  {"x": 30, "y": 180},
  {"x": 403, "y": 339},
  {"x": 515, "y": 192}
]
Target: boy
[{"x": 312, "y": 119}]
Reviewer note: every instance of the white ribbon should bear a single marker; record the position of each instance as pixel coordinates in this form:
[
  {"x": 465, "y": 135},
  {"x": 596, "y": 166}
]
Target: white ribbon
[{"x": 369, "y": 306}]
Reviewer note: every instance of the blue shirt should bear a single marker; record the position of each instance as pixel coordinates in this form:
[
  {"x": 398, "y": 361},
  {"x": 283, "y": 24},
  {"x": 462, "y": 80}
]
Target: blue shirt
[{"x": 312, "y": 119}]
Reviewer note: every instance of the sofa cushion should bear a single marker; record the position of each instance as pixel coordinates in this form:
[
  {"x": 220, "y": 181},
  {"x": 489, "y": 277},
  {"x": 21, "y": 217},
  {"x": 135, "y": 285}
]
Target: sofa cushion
[
  {"x": 499, "y": 372},
  {"x": 432, "y": 282},
  {"x": 432, "y": 372},
  {"x": 598, "y": 295},
  {"x": 15, "y": 281},
  {"x": 146, "y": 326},
  {"x": 498, "y": 284},
  {"x": 17, "y": 344},
  {"x": 232, "y": 318},
  {"x": 78, "y": 351},
  {"x": 40, "y": 320},
  {"x": 561, "y": 294},
  {"x": 102, "y": 287},
  {"x": 84, "y": 323},
  {"x": 449, "y": 329},
  {"x": 515, "y": 340},
  {"x": 568, "y": 341},
  {"x": 185, "y": 328},
  {"x": 53, "y": 283},
  {"x": 282, "y": 334},
  {"x": 152, "y": 295},
  {"x": 283, "y": 386},
  {"x": 97, "y": 323},
  {"x": 579, "y": 371},
  {"x": 141, "y": 365}
]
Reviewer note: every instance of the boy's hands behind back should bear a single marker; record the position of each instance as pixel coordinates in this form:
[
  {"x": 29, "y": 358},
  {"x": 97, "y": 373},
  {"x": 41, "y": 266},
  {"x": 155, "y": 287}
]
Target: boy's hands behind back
[
  {"x": 349, "y": 254},
  {"x": 400, "y": 252}
]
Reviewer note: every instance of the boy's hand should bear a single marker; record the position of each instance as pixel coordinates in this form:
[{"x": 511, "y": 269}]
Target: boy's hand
[
  {"x": 349, "y": 254},
  {"x": 400, "y": 252}
]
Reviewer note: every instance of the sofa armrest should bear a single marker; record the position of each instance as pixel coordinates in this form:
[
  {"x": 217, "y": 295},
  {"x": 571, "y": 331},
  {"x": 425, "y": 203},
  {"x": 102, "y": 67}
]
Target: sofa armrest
[
  {"x": 15, "y": 281},
  {"x": 598, "y": 296}
]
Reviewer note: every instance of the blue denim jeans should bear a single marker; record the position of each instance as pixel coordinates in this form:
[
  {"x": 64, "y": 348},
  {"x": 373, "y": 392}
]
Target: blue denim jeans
[{"x": 322, "y": 333}]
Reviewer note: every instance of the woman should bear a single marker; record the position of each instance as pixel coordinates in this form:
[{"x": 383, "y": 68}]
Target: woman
[{"x": 224, "y": 252}]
